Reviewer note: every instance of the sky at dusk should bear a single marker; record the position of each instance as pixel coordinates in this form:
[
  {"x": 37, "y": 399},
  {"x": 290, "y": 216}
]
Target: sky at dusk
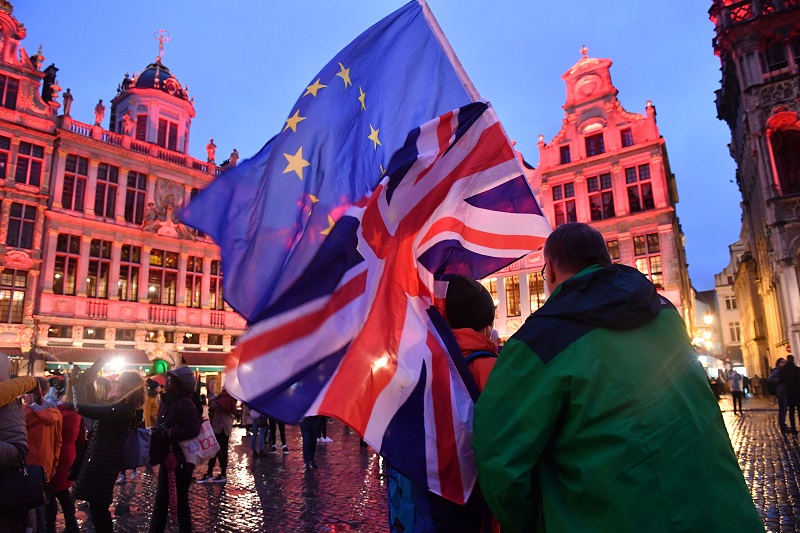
[{"x": 247, "y": 61}]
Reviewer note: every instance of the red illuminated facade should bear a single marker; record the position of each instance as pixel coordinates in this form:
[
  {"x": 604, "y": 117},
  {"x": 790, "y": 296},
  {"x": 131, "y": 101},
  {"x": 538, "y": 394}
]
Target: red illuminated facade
[
  {"x": 609, "y": 168},
  {"x": 94, "y": 260}
]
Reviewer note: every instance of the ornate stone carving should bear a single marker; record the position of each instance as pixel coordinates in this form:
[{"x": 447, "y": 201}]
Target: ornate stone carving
[
  {"x": 18, "y": 259},
  {"x": 161, "y": 216}
]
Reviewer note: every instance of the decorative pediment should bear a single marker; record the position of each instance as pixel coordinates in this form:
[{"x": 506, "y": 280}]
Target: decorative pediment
[{"x": 18, "y": 259}]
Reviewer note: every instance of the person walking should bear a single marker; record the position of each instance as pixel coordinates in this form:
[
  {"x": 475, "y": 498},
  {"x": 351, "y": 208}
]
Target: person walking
[
  {"x": 735, "y": 382},
  {"x": 789, "y": 375},
  {"x": 102, "y": 460},
  {"x": 177, "y": 420},
  {"x": 276, "y": 426},
  {"x": 258, "y": 435},
  {"x": 597, "y": 415},
  {"x": 309, "y": 429},
  {"x": 221, "y": 410},
  {"x": 73, "y": 438},
  {"x": 780, "y": 393}
]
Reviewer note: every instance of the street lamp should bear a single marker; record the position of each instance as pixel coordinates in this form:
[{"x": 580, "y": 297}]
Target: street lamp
[{"x": 708, "y": 318}]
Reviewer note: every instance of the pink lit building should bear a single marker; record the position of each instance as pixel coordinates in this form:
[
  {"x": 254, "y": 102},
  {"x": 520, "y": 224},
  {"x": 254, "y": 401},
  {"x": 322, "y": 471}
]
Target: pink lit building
[
  {"x": 94, "y": 260},
  {"x": 609, "y": 168}
]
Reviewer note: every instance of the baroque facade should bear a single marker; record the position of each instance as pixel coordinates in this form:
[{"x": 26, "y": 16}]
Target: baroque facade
[
  {"x": 609, "y": 168},
  {"x": 94, "y": 261},
  {"x": 758, "y": 43}
]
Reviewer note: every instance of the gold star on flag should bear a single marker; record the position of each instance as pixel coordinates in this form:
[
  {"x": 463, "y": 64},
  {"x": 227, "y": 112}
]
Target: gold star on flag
[
  {"x": 383, "y": 170},
  {"x": 293, "y": 121},
  {"x": 345, "y": 75},
  {"x": 327, "y": 231},
  {"x": 313, "y": 88},
  {"x": 314, "y": 200},
  {"x": 362, "y": 98},
  {"x": 296, "y": 163},
  {"x": 373, "y": 136}
]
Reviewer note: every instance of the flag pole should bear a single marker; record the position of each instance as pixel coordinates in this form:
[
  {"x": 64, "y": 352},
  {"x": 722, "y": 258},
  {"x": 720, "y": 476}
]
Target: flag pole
[{"x": 449, "y": 52}]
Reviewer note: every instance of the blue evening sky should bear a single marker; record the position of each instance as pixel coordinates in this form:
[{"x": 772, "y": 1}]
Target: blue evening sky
[{"x": 247, "y": 61}]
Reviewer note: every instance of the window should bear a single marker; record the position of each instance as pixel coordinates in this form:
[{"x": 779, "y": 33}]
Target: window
[
  {"x": 613, "y": 250},
  {"x": 214, "y": 340},
  {"x": 595, "y": 145},
  {"x": 730, "y": 280},
  {"x": 21, "y": 223},
  {"x": 191, "y": 338},
  {"x": 730, "y": 303},
  {"x": 601, "y": 197},
  {"x": 30, "y": 162},
  {"x": 59, "y": 332},
  {"x": 775, "y": 57},
  {"x": 640, "y": 188},
  {"x": 141, "y": 127},
  {"x": 77, "y": 168},
  {"x": 564, "y": 203},
  {"x": 94, "y": 334},
  {"x": 162, "y": 284},
  {"x": 215, "y": 300},
  {"x": 128, "y": 284},
  {"x": 5, "y": 155},
  {"x": 13, "y": 284},
  {"x": 627, "y": 137},
  {"x": 536, "y": 289},
  {"x": 99, "y": 267},
  {"x": 565, "y": 158},
  {"x": 167, "y": 134},
  {"x": 736, "y": 334},
  {"x": 8, "y": 92},
  {"x": 105, "y": 200},
  {"x": 125, "y": 335},
  {"x": 169, "y": 337},
  {"x": 194, "y": 279},
  {"x": 68, "y": 249},
  {"x": 512, "y": 296},
  {"x": 151, "y": 336},
  {"x": 646, "y": 248},
  {"x": 491, "y": 286},
  {"x": 134, "y": 197},
  {"x": 786, "y": 152}
]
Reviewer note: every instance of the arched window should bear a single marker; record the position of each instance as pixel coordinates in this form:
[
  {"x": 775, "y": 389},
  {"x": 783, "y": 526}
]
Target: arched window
[{"x": 786, "y": 151}]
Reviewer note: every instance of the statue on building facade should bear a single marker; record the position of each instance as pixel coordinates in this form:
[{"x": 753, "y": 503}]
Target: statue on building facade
[
  {"x": 128, "y": 123},
  {"x": 161, "y": 216},
  {"x": 211, "y": 151},
  {"x": 99, "y": 113},
  {"x": 234, "y": 157},
  {"x": 67, "y": 102}
]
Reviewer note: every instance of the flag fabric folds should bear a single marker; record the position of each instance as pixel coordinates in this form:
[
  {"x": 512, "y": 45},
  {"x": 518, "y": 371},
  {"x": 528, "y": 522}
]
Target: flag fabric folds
[
  {"x": 270, "y": 214},
  {"x": 358, "y": 335}
]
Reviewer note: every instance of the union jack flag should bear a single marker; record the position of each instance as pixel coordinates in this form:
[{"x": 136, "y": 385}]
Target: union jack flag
[{"x": 359, "y": 336}]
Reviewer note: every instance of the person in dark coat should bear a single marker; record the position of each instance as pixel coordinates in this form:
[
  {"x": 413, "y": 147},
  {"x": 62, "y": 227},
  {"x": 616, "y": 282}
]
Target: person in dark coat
[
  {"x": 177, "y": 420},
  {"x": 102, "y": 460},
  {"x": 789, "y": 376},
  {"x": 780, "y": 393}
]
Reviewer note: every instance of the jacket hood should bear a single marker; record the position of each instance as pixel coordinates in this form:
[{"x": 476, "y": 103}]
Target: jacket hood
[
  {"x": 614, "y": 297},
  {"x": 48, "y": 416}
]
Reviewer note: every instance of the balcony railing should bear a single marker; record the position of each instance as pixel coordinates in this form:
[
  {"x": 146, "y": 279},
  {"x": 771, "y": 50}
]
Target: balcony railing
[
  {"x": 725, "y": 13},
  {"x": 140, "y": 146},
  {"x": 162, "y": 314},
  {"x": 97, "y": 308},
  {"x": 80, "y": 128},
  {"x": 217, "y": 318},
  {"x": 172, "y": 157}
]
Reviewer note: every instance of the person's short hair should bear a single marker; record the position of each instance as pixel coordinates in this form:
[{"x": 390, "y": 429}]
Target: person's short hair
[
  {"x": 574, "y": 246},
  {"x": 779, "y": 361},
  {"x": 790, "y": 359}
]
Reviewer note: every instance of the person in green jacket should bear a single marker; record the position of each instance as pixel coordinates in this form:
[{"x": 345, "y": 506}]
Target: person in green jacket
[{"x": 597, "y": 415}]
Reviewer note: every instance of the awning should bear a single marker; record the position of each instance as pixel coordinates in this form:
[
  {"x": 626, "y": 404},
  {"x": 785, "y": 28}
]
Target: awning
[
  {"x": 89, "y": 355},
  {"x": 204, "y": 359},
  {"x": 11, "y": 351}
]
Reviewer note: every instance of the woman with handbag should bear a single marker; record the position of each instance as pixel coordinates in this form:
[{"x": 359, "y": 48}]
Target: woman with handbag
[
  {"x": 73, "y": 438},
  {"x": 102, "y": 459},
  {"x": 177, "y": 420}
]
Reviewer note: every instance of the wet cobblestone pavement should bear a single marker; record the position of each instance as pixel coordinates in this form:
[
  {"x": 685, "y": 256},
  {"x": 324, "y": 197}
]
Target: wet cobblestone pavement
[{"x": 347, "y": 492}]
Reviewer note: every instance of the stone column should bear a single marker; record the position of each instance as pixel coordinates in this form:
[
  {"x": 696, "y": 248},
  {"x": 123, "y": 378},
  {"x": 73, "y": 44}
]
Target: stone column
[
  {"x": 113, "y": 276},
  {"x": 180, "y": 296},
  {"x": 524, "y": 295},
  {"x": 83, "y": 265},
  {"x": 91, "y": 187},
  {"x": 49, "y": 263},
  {"x": 144, "y": 274},
  {"x": 581, "y": 198},
  {"x": 6, "y": 212},
  {"x": 205, "y": 286},
  {"x": 47, "y": 175},
  {"x": 659, "y": 181},
  {"x": 620, "y": 190},
  {"x": 58, "y": 176},
  {"x": 12, "y": 159},
  {"x": 119, "y": 209}
]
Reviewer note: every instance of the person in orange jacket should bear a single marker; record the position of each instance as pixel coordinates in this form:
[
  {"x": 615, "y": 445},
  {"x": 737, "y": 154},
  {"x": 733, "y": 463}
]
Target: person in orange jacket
[{"x": 44, "y": 439}]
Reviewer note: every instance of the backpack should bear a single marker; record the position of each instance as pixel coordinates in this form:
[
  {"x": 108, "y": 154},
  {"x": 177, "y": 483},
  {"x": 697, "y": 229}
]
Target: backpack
[{"x": 476, "y": 355}]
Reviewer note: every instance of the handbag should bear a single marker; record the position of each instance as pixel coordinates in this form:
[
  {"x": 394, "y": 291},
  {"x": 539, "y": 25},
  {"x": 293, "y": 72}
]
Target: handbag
[
  {"x": 136, "y": 449},
  {"x": 22, "y": 487},
  {"x": 201, "y": 448}
]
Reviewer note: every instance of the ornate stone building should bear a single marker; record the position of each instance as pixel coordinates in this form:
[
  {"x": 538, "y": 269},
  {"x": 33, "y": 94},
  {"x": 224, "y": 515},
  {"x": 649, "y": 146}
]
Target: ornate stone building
[
  {"x": 609, "y": 168},
  {"x": 758, "y": 43},
  {"x": 95, "y": 261}
]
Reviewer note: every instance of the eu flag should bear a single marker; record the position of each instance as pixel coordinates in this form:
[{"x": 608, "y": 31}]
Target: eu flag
[{"x": 270, "y": 214}]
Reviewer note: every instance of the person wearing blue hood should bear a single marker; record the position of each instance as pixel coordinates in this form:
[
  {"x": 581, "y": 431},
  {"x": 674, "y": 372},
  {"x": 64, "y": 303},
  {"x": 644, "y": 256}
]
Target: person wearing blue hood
[{"x": 597, "y": 415}]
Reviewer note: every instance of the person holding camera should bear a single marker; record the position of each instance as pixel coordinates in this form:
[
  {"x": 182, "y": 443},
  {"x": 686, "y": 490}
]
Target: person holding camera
[
  {"x": 102, "y": 459},
  {"x": 177, "y": 420}
]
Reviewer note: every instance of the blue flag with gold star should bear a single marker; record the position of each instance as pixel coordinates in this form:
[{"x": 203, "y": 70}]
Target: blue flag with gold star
[{"x": 270, "y": 214}]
